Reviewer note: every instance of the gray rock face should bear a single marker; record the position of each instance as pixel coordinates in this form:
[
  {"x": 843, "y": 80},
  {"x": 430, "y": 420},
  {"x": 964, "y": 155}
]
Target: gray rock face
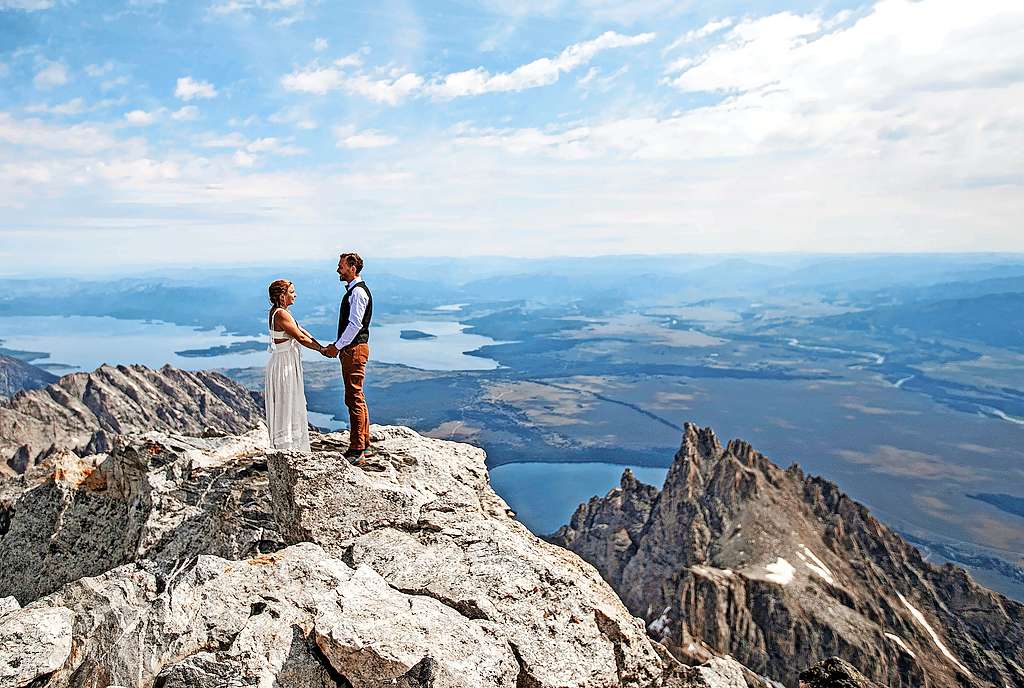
[
  {"x": 16, "y": 375},
  {"x": 428, "y": 521},
  {"x": 34, "y": 642},
  {"x": 408, "y": 572},
  {"x": 155, "y": 496},
  {"x": 294, "y": 618},
  {"x": 82, "y": 411},
  {"x": 735, "y": 555},
  {"x": 834, "y": 673}
]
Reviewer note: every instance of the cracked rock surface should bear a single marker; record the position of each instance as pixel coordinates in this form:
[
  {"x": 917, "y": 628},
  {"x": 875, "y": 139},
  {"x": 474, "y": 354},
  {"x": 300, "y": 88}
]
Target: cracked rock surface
[
  {"x": 408, "y": 571},
  {"x": 423, "y": 515},
  {"x": 155, "y": 496}
]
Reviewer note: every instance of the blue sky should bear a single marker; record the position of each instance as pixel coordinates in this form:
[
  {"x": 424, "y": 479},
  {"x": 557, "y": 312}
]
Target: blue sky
[{"x": 239, "y": 131}]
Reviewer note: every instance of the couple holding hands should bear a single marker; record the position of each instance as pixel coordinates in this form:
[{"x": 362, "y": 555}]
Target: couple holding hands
[{"x": 285, "y": 397}]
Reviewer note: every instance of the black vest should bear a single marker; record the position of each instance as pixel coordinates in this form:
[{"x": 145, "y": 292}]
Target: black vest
[{"x": 363, "y": 335}]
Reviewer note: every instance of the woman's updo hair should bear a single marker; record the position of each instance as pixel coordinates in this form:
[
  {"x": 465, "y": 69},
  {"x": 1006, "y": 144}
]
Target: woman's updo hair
[{"x": 276, "y": 290}]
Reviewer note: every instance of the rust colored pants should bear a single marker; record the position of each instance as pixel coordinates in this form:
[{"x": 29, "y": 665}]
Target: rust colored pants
[{"x": 353, "y": 371}]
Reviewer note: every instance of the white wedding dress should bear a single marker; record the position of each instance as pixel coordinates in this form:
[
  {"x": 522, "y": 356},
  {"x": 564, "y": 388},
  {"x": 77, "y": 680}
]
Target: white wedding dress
[{"x": 285, "y": 396}]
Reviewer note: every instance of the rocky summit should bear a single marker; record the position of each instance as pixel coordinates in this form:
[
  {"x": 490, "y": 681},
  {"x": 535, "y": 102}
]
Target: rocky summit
[
  {"x": 781, "y": 570},
  {"x": 177, "y": 561},
  {"x": 82, "y": 412}
]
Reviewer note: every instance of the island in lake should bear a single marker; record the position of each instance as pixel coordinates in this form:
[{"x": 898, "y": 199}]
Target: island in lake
[
  {"x": 416, "y": 334},
  {"x": 235, "y": 348}
]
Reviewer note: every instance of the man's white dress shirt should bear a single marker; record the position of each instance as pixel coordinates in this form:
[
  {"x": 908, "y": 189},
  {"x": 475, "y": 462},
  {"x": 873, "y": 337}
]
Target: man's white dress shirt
[{"x": 357, "y": 301}]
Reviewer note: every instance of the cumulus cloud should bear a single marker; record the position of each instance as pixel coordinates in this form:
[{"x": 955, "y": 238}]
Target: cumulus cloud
[
  {"x": 187, "y": 113},
  {"x": 349, "y": 137},
  {"x": 394, "y": 88},
  {"x": 320, "y": 80},
  {"x": 51, "y": 75},
  {"x": 712, "y": 27},
  {"x": 243, "y": 159},
  {"x": 75, "y": 106},
  {"x": 79, "y": 139},
  {"x": 27, "y": 5},
  {"x": 95, "y": 70},
  {"x": 541, "y": 72},
  {"x": 250, "y": 147},
  {"x": 231, "y": 140},
  {"x": 188, "y": 88},
  {"x": 287, "y": 11},
  {"x": 904, "y": 75},
  {"x": 599, "y": 10},
  {"x": 116, "y": 82},
  {"x": 296, "y": 115},
  {"x": 314, "y": 79},
  {"x": 320, "y": 45},
  {"x": 272, "y": 144},
  {"x": 140, "y": 118}
]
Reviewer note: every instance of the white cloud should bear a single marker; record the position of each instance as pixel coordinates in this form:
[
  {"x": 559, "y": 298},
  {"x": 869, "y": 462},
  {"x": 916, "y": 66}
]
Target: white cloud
[
  {"x": 391, "y": 91},
  {"x": 243, "y": 121},
  {"x": 320, "y": 45},
  {"x": 594, "y": 80},
  {"x": 905, "y": 78},
  {"x": 712, "y": 27},
  {"x": 53, "y": 74},
  {"x": 186, "y": 114},
  {"x": 349, "y": 137},
  {"x": 26, "y": 5},
  {"x": 353, "y": 59},
  {"x": 755, "y": 53},
  {"x": 397, "y": 87},
  {"x": 76, "y": 106},
  {"x": 292, "y": 10},
  {"x": 314, "y": 79},
  {"x": 111, "y": 84},
  {"x": 79, "y": 139},
  {"x": 274, "y": 145},
  {"x": 596, "y": 10},
  {"x": 140, "y": 118},
  {"x": 188, "y": 88},
  {"x": 296, "y": 115},
  {"x": 95, "y": 70},
  {"x": 321, "y": 80},
  {"x": 235, "y": 140},
  {"x": 243, "y": 159},
  {"x": 232, "y": 140},
  {"x": 541, "y": 72}
]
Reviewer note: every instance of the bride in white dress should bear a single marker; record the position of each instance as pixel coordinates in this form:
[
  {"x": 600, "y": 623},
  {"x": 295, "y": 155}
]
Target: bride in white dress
[{"x": 285, "y": 397}]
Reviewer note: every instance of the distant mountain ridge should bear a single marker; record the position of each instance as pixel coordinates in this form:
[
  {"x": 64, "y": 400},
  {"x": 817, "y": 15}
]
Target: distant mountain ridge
[
  {"x": 992, "y": 319},
  {"x": 82, "y": 412},
  {"x": 16, "y": 375},
  {"x": 736, "y": 555}
]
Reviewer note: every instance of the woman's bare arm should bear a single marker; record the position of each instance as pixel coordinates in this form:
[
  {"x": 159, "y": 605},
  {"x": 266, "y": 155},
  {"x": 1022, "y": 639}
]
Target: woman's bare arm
[{"x": 286, "y": 323}]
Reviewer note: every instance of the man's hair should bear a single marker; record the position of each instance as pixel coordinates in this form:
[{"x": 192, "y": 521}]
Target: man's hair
[{"x": 353, "y": 260}]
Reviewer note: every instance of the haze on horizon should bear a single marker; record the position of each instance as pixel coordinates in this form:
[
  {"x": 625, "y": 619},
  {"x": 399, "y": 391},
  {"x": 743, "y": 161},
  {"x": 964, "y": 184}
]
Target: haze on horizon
[{"x": 244, "y": 131}]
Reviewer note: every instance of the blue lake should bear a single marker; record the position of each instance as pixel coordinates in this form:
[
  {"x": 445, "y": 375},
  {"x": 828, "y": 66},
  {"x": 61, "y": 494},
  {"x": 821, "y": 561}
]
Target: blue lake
[
  {"x": 545, "y": 495},
  {"x": 86, "y": 342}
]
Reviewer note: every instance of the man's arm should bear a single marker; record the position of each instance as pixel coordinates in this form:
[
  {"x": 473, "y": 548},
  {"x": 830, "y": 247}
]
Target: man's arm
[{"x": 357, "y": 309}]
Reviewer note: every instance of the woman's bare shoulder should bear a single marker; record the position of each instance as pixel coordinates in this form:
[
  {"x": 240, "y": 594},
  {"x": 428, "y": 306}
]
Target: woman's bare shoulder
[{"x": 283, "y": 316}]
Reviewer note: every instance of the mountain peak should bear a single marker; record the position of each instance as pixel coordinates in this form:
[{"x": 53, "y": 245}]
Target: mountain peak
[
  {"x": 781, "y": 571},
  {"x": 81, "y": 411}
]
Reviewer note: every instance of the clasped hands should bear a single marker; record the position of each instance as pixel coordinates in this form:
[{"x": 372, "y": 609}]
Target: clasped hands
[{"x": 330, "y": 351}]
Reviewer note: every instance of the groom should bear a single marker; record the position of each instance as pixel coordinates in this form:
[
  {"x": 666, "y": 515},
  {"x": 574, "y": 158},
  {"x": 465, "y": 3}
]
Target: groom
[{"x": 352, "y": 343}]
